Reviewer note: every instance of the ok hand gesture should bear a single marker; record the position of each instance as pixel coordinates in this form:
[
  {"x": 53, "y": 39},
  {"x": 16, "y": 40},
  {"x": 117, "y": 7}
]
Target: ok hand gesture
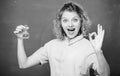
[{"x": 98, "y": 38}]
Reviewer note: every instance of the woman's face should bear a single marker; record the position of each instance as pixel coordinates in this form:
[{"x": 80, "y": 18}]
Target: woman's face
[{"x": 70, "y": 22}]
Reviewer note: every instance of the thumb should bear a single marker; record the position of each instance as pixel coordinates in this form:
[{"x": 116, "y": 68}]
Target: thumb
[{"x": 90, "y": 37}]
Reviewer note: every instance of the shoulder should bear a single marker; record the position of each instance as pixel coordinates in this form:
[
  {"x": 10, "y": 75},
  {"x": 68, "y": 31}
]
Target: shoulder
[
  {"x": 52, "y": 44},
  {"x": 86, "y": 41},
  {"x": 88, "y": 45}
]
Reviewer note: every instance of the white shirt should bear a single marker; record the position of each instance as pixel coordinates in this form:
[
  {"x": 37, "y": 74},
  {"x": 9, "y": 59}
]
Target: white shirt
[{"x": 68, "y": 58}]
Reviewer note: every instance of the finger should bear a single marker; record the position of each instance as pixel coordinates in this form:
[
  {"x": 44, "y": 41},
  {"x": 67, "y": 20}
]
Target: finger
[
  {"x": 15, "y": 32},
  {"x": 18, "y": 29},
  {"x": 23, "y": 26},
  {"x": 26, "y": 27},
  {"x": 100, "y": 31},
  {"x": 103, "y": 32},
  {"x": 101, "y": 27},
  {"x": 98, "y": 28},
  {"x": 90, "y": 38},
  {"x": 91, "y": 35},
  {"x": 102, "y": 36}
]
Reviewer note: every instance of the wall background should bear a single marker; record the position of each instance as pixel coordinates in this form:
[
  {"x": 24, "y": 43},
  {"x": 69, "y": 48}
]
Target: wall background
[{"x": 38, "y": 14}]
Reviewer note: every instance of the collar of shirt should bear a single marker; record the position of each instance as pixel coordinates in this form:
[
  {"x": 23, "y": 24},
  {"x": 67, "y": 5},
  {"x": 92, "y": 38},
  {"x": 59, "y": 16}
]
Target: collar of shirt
[{"x": 76, "y": 39}]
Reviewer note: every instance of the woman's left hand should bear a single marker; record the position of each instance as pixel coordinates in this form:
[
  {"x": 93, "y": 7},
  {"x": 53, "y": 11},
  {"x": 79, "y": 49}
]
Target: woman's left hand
[{"x": 98, "y": 38}]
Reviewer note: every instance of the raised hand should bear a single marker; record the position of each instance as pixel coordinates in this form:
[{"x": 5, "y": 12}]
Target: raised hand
[
  {"x": 98, "y": 37},
  {"x": 21, "y": 32}
]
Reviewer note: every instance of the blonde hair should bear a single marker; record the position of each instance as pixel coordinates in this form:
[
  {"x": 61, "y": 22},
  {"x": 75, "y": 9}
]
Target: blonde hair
[{"x": 72, "y": 7}]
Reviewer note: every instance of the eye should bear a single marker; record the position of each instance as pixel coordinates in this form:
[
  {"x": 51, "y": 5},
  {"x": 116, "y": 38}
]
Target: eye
[
  {"x": 75, "y": 20},
  {"x": 65, "y": 20}
]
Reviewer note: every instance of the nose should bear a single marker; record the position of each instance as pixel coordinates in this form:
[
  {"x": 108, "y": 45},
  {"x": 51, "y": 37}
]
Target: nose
[{"x": 70, "y": 24}]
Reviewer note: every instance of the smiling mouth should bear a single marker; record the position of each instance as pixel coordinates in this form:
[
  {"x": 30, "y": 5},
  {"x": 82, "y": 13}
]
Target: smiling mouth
[{"x": 71, "y": 29}]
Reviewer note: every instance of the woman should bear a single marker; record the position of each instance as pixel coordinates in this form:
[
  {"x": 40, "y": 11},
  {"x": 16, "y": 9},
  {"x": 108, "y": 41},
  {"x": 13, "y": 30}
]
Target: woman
[{"x": 70, "y": 54}]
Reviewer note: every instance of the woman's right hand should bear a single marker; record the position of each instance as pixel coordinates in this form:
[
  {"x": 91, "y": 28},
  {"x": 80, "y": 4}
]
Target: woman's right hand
[{"x": 21, "y": 32}]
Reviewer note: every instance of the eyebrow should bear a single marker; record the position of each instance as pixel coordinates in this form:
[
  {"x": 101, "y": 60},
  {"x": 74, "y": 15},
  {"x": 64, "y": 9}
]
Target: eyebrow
[
  {"x": 76, "y": 17},
  {"x": 73, "y": 17},
  {"x": 63, "y": 17}
]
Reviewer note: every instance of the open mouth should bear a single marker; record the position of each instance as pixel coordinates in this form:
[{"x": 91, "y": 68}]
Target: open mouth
[{"x": 71, "y": 30}]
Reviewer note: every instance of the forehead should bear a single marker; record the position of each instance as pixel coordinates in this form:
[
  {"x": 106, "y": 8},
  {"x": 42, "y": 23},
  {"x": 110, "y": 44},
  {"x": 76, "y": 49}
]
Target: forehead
[{"x": 69, "y": 14}]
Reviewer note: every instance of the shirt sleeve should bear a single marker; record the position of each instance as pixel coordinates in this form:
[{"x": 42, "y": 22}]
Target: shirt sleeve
[{"x": 41, "y": 55}]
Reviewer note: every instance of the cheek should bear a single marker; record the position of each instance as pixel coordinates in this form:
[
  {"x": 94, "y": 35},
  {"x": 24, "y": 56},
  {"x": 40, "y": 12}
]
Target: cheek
[
  {"x": 77, "y": 24},
  {"x": 64, "y": 25}
]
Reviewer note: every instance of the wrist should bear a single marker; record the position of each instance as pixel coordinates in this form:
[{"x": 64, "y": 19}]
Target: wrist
[{"x": 20, "y": 39}]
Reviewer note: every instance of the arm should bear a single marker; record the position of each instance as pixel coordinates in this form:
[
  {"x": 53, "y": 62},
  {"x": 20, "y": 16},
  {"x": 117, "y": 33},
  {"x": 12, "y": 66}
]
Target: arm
[
  {"x": 98, "y": 63},
  {"x": 23, "y": 60},
  {"x": 103, "y": 67}
]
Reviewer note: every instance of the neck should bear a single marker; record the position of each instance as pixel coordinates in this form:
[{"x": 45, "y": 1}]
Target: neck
[{"x": 73, "y": 37}]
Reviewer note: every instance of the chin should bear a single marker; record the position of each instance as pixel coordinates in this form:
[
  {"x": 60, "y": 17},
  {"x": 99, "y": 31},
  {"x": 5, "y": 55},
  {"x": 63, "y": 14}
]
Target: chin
[{"x": 71, "y": 37}]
